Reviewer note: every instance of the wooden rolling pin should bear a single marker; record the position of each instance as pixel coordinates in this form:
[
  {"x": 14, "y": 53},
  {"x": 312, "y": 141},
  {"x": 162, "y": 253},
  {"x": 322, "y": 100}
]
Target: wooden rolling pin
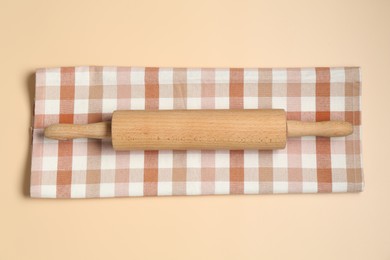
[{"x": 199, "y": 129}]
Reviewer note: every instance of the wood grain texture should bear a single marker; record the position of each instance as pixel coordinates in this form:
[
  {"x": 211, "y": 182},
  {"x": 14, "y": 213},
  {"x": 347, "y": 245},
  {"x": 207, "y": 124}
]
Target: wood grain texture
[
  {"x": 99, "y": 130},
  {"x": 199, "y": 129},
  {"x": 325, "y": 128},
  {"x": 263, "y": 129}
]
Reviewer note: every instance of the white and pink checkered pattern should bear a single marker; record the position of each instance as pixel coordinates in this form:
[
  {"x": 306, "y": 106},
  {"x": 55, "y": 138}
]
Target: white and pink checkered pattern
[{"x": 91, "y": 168}]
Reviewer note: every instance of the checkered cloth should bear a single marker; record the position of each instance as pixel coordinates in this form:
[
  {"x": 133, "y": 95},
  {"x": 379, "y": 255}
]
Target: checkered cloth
[{"x": 85, "y": 168}]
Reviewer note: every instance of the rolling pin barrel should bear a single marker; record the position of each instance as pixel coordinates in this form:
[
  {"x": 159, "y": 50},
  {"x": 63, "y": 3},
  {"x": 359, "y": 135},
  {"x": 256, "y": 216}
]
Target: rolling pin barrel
[
  {"x": 199, "y": 129},
  {"x": 260, "y": 129}
]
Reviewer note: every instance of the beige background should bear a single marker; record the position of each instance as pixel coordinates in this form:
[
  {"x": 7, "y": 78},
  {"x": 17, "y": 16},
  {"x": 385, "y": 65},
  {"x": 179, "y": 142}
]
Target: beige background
[{"x": 192, "y": 33}]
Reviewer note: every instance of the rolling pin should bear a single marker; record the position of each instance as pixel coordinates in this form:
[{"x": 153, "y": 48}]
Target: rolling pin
[{"x": 261, "y": 129}]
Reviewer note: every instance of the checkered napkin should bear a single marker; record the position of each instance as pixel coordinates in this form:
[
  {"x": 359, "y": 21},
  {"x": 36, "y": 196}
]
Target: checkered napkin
[{"x": 85, "y": 168}]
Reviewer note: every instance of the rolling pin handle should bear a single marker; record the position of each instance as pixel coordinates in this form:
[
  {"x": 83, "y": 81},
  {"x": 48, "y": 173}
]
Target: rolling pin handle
[
  {"x": 324, "y": 128},
  {"x": 99, "y": 130}
]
